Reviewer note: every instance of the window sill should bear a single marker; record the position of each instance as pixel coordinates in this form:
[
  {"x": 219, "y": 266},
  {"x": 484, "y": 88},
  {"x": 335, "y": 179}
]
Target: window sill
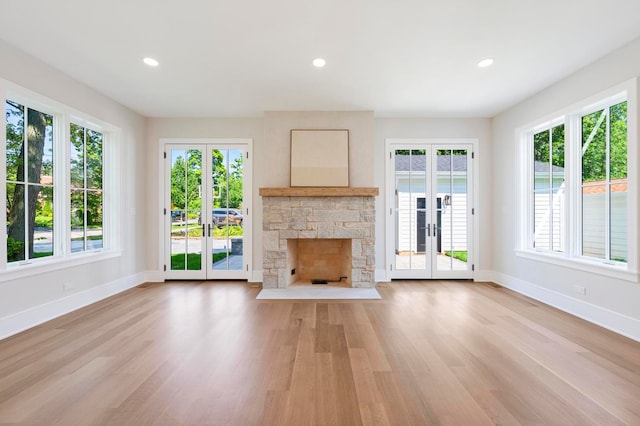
[
  {"x": 41, "y": 266},
  {"x": 585, "y": 265}
]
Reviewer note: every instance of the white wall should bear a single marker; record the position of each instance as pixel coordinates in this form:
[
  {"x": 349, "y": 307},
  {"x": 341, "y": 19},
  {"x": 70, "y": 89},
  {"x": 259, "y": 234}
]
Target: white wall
[
  {"x": 611, "y": 302},
  {"x": 437, "y": 128},
  {"x": 27, "y": 301},
  {"x": 277, "y": 125}
]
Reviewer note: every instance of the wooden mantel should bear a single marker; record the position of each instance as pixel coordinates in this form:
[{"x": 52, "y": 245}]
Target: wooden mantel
[{"x": 318, "y": 191}]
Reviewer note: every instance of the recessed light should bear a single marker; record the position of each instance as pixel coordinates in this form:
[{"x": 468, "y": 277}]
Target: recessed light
[
  {"x": 319, "y": 62},
  {"x": 485, "y": 63},
  {"x": 151, "y": 62}
]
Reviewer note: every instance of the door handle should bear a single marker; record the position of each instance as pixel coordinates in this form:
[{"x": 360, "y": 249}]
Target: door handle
[
  {"x": 203, "y": 229},
  {"x": 428, "y": 231},
  {"x": 209, "y": 229},
  {"x": 434, "y": 230}
]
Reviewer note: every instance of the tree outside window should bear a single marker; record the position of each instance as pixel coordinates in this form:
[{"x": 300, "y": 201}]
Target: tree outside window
[{"x": 30, "y": 186}]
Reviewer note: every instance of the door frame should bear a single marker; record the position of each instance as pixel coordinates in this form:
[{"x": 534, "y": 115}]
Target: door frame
[
  {"x": 164, "y": 223},
  {"x": 390, "y": 198}
]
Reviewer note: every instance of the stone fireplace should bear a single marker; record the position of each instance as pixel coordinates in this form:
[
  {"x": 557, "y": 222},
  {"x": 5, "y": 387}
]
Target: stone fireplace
[{"x": 318, "y": 233}]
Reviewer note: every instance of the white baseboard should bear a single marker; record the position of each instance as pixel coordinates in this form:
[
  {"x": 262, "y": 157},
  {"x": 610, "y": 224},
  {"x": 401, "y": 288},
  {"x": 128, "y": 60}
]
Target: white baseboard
[
  {"x": 31, "y": 317},
  {"x": 256, "y": 276},
  {"x": 614, "y": 321},
  {"x": 154, "y": 276},
  {"x": 381, "y": 276},
  {"x": 158, "y": 277},
  {"x": 483, "y": 276}
]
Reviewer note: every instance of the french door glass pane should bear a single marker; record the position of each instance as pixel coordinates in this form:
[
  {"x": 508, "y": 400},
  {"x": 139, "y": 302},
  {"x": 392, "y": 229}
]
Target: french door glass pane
[
  {"x": 451, "y": 213},
  {"x": 412, "y": 210},
  {"x": 227, "y": 199},
  {"x": 186, "y": 202}
]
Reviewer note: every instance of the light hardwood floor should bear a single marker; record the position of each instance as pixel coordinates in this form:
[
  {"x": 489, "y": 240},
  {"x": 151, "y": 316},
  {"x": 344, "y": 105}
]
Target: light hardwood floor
[{"x": 438, "y": 352}]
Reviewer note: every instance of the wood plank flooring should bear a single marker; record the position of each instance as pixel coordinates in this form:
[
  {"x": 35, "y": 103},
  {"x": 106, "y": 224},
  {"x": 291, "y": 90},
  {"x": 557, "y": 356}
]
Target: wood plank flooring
[{"x": 428, "y": 353}]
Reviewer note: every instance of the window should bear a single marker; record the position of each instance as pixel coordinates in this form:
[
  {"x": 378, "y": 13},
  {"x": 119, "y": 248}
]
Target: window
[
  {"x": 574, "y": 186},
  {"x": 549, "y": 204},
  {"x": 57, "y": 180},
  {"x": 604, "y": 183},
  {"x": 30, "y": 189},
  {"x": 86, "y": 189}
]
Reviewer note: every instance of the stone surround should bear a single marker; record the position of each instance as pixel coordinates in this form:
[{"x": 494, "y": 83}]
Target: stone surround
[{"x": 307, "y": 217}]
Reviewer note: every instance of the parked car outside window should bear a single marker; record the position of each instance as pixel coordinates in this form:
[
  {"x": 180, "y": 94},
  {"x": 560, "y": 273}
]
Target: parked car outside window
[{"x": 223, "y": 217}]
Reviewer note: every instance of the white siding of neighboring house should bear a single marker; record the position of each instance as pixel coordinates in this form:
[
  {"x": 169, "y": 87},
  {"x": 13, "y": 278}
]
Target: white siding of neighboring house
[
  {"x": 547, "y": 220},
  {"x": 593, "y": 223},
  {"x": 453, "y": 219},
  {"x": 593, "y": 237}
]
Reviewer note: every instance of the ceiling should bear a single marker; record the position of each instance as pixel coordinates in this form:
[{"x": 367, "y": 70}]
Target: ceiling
[{"x": 404, "y": 58}]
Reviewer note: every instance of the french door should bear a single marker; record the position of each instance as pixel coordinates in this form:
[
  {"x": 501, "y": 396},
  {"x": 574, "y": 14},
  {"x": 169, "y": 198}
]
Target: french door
[
  {"x": 206, "y": 214},
  {"x": 430, "y": 208}
]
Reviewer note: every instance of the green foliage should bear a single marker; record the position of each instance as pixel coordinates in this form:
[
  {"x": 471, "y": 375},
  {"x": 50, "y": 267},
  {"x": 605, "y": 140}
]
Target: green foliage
[
  {"x": 192, "y": 231},
  {"x": 15, "y": 137},
  {"x": 460, "y": 255},
  {"x": 15, "y": 250},
  {"x": 39, "y": 254},
  {"x": 186, "y": 177},
  {"x": 234, "y": 192},
  {"x": 232, "y": 231},
  {"x": 594, "y": 156},
  {"x": 229, "y": 182},
  {"x": 192, "y": 261},
  {"x": 594, "y": 144},
  {"x": 86, "y": 147},
  {"x": 94, "y": 159},
  {"x": 44, "y": 208},
  {"x": 94, "y": 208},
  {"x": 548, "y": 147},
  {"x": 618, "y": 146},
  {"x": 410, "y": 151},
  {"x": 44, "y": 221}
]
